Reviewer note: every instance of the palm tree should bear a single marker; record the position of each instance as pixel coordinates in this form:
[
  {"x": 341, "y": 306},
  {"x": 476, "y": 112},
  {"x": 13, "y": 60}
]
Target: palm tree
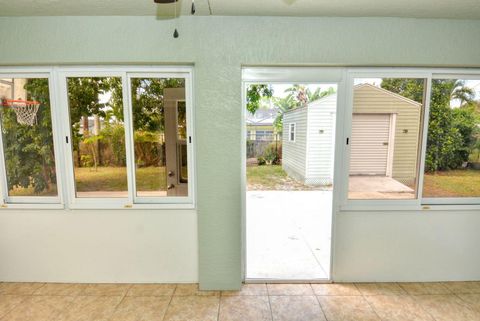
[{"x": 299, "y": 96}]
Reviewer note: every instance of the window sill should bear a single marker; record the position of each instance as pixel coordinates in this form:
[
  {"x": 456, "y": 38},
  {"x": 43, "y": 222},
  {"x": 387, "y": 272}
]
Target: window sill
[
  {"x": 25, "y": 206},
  {"x": 157, "y": 206},
  {"x": 410, "y": 208}
]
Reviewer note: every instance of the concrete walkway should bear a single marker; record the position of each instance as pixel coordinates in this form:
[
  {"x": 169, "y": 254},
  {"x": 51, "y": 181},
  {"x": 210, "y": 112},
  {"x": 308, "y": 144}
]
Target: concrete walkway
[{"x": 288, "y": 234}]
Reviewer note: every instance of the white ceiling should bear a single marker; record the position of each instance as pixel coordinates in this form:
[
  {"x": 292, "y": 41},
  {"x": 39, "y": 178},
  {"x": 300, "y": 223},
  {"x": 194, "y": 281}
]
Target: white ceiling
[{"x": 456, "y": 9}]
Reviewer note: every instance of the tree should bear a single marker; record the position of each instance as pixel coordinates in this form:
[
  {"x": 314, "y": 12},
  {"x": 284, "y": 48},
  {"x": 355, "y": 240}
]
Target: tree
[
  {"x": 450, "y": 130},
  {"x": 254, "y": 94},
  {"x": 84, "y": 101}
]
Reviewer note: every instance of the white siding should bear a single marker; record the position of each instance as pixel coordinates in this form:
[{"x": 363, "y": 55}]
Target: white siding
[
  {"x": 369, "y": 144},
  {"x": 293, "y": 153},
  {"x": 320, "y": 144}
]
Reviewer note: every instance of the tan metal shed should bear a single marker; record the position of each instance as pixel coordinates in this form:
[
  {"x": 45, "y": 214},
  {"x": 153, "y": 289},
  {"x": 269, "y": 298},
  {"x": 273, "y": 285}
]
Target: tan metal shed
[{"x": 385, "y": 131}]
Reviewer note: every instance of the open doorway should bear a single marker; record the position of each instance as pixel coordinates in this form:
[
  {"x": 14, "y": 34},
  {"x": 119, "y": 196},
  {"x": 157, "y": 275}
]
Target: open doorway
[{"x": 290, "y": 147}]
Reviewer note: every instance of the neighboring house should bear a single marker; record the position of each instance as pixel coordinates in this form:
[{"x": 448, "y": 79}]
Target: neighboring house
[
  {"x": 260, "y": 125},
  {"x": 391, "y": 151}
]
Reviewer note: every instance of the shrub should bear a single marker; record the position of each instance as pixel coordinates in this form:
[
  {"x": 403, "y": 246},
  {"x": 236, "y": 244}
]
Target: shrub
[
  {"x": 261, "y": 160},
  {"x": 271, "y": 154}
]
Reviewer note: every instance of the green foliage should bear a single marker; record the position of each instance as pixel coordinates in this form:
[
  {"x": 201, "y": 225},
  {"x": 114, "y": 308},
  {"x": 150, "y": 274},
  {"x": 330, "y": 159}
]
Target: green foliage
[
  {"x": 149, "y": 149},
  {"x": 147, "y": 101},
  {"x": 29, "y": 154},
  {"x": 254, "y": 94},
  {"x": 271, "y": 155},
  {"x": 451, "y": 131},
  {"x": 261, "y": 161},
  {"x": 407, "y": 87},
  {"x": 114, "y": 138}
]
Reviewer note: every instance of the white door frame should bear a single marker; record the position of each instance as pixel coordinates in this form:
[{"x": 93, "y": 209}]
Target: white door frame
[
  {"x": 289, "y": 75},
  {"x": 391, "y": 144}
]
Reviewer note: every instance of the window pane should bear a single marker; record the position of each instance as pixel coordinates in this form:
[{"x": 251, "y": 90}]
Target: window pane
[
  {"x": 27, "y": 137},
  {"x": 452, "y": 161},
  {"x": 160, "y": 136},
  {"x": 385, "y": 138},
  {"x": 98, "y": 136}
]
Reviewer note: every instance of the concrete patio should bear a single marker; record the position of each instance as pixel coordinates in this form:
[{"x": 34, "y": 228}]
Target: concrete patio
[
  {"x": 288, "y": 235},
  {"x": 377, "y": 187}
]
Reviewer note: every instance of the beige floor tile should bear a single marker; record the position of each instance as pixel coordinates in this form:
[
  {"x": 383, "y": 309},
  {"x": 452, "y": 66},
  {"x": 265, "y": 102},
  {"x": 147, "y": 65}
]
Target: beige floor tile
[
  {"x": 70, "y": 289},
  {"x": 192, "y": 289},
  {"x": 447, "y": 308},
  {"x": 347, "y": 308},
  {"x": 397, "y": 308},
  {"x": 8, "y": 302},
  {"x": 193, "y": 308},
  {"x": 415, "y": 288},
  {"x": 141, "y": 309},
  {"x": 336, "y": 289},
  {"x": 289, "y": 289},
  {"x": 296, "y": 308},
  {"x": 463, "y": 287},
  {"x": 20, "y": 288},
  {"x": 244, "y": 308},
  {"x": 248, "y": 289},
  {"x": 380, "y": 289},
  {"x": 473, "y": 300},
  {"x": 39, "y": 308},
  {"x": 106, "y": 289},
  {"x": 90, "y": 308},
  {"x": 151, "y": 289}
]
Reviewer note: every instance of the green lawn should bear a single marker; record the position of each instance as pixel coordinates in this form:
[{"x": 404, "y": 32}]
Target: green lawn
[
  {"x": 107, "y": 179},
  {"x": 454, "y": 183},
  {"x": 115, "y": 179}
]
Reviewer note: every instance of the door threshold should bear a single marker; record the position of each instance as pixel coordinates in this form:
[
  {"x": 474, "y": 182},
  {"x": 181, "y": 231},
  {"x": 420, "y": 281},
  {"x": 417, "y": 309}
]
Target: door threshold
[{"x": 289, "y": 281}]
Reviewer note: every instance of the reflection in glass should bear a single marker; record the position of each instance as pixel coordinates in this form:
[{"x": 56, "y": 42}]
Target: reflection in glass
[{"x": 160, "y": 136}]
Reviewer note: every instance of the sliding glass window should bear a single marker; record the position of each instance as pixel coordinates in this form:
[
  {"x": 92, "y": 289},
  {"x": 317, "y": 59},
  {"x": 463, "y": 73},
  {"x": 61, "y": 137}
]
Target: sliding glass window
[
  {"x": 160, "y": 136},
  {"x": 28, "y": 165},
  {"x": 385, "y": 138},
  {"x": 95, "y": 106},
  {"x": 452, "y": 160}
]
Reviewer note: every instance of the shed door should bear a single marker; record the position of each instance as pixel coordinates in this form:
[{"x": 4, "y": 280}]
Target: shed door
[{"x": 369, "y": 144}]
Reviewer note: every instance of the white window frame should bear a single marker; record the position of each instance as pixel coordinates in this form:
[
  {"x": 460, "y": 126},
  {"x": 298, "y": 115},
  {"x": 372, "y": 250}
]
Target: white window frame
[
  {"x": 22, "y": 202},
  {"x": 63, "y": 153},
  {"x": 290, "y": 132},
  {"x": 427, "y": 201},
  {"x": 137, "y": 200},
  {"x": 419, "y": 203}
]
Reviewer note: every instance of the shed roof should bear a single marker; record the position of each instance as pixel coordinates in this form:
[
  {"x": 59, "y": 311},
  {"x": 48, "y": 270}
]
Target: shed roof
[{"x": 387, "y": 92}]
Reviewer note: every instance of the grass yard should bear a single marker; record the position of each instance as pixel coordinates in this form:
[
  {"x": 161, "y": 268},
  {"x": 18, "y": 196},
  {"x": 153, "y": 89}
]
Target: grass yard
[
  {"x": 115, "y": 179},
  {"x": 274, "y": 178},
  {"x": 454, "y": 183},
  {"x": 107, "y": 179}
]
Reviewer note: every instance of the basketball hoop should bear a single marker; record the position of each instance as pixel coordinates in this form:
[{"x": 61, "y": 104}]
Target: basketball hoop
[{"x": 25, "y": 110}]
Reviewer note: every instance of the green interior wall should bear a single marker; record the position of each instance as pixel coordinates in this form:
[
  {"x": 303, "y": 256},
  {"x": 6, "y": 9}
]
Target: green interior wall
[{"x": 218, "y": 47}]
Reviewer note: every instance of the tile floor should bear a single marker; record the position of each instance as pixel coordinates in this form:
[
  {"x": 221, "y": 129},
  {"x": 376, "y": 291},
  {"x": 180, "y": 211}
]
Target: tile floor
[{"x": 449, "y": 301}]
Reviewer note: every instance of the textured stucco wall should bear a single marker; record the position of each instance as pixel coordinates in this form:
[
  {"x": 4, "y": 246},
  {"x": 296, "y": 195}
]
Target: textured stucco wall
[{"x": 218, "y": 46}]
